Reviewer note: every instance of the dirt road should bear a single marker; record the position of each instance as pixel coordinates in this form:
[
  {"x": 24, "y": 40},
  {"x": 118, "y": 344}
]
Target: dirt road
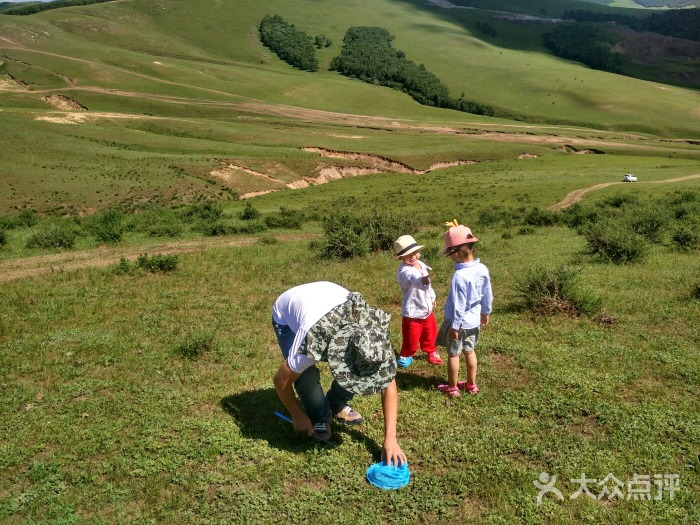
[
  {"x": 576, "y": 195},
  {"x": 107, "y": 255}
]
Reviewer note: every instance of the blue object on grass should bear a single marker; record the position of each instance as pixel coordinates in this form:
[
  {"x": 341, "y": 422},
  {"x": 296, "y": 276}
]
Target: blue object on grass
[
  {"x": 282, "y": 416},
  {"x": 404, "y": 362},
  {"x": 389, "y": 477}
]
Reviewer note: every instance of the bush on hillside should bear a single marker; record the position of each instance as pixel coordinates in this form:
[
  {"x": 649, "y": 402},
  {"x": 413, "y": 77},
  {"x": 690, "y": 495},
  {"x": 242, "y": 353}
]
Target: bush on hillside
[
  {"x": 686, "y": 235},
  {"x": 249, "y": 213},
  {"x": 611, "y": 241},
  {"x": 3, "y": 237},
  {"x": 207, "y": 211},
  {"x": 293, "y": 46},
  {"x": 24, "y": 219},
  {"x": 540, "y": 217},
  {"x": 157, "y": 263},
  {"x": 347, "y": 236},
  {"x": 648, "y": 221},
  {"x": 286, "y": 218},
  {"x": 54, "y": 234},
  {"x": 107, "y": 226},
  {"x": 548, "y": 291}
]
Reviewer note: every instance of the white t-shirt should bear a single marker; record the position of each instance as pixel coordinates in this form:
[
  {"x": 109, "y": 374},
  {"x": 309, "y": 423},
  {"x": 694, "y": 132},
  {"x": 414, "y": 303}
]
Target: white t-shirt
[
  {"x": 417, "y": 300},
  {"x": 300, "y": 308}
]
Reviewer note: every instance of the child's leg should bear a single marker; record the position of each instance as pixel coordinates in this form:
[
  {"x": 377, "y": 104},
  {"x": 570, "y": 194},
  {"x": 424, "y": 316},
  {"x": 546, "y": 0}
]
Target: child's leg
[
  {"x": 428, "y": 334},
  {"x": 452, "y": 370},
  {"x": 410, "y": 332},
  {"x": 470, "y": 340},
  {"x": 470, "y": 358}
]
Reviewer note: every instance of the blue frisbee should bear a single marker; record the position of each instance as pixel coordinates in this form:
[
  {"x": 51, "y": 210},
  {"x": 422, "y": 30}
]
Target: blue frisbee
[{"x": 388, "y": 477}]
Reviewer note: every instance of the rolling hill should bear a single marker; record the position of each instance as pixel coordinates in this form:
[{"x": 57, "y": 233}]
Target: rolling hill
[{"x": 170, "y": 101}]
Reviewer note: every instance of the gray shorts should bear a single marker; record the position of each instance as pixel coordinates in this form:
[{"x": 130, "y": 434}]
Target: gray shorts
[{"x": 468, "y": 337}]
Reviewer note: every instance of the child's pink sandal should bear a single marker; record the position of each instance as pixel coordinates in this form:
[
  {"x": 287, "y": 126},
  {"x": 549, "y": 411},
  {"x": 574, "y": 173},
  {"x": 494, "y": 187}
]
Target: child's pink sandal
[
  {"x": 449, "y": 391},
  {"x": 472, "y": 389}
]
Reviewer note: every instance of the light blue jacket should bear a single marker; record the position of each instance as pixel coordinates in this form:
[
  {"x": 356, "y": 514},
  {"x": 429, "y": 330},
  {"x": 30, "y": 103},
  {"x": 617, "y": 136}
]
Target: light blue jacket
[{"x": 470, "y": 295}]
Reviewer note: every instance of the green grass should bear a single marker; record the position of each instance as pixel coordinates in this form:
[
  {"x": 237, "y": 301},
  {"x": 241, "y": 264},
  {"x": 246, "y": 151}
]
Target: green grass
[
  {"x": 139, "y": 397},
  {"x": 104, "y": 421}
]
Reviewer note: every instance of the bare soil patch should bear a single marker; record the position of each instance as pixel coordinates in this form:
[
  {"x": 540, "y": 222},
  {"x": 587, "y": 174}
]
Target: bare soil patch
[{"x": 64, "y": 103}]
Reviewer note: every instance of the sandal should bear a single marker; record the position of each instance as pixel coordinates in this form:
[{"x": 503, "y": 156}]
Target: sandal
[
  {"x": 449, "y": 391},
  {"x": 472, "y": 389}
]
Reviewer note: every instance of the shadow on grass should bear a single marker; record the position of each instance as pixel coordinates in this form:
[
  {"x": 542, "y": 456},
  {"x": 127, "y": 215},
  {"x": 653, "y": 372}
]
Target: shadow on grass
[
  {"x": 420, "y": 379},
  {"x": 254, "y": 413}
]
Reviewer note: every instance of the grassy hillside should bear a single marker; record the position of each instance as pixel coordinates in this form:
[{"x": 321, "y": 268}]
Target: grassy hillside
[
  {"x": 132, "y": 395},
  {"x": 172, "y": 91}
]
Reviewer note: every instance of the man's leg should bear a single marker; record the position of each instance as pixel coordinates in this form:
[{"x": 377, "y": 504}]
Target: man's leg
[
  {"x": 339, "y": 402},
  {"x": 308, "y": 385}
]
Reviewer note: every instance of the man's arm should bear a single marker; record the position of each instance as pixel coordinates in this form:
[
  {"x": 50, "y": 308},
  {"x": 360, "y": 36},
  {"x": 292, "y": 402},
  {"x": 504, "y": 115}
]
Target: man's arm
[
  {"x": 284, "y": 384},
  {"x": 391, "y": 451}
]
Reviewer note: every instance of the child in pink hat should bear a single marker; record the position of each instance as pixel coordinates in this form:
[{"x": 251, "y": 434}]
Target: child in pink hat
[
  {"x": 418, "y": 325},
  {"x": 468, "y": 307}
]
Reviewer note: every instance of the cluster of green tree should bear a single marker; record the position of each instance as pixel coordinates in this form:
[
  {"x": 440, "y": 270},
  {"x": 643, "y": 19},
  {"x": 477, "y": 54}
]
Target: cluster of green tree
[
  {"x": 322, "y": 41},
  {"x": 367, "y": 55},
  {"x": 683, "y": 23},
  {"x": 295, "y": 47},
  {"x": 38, "y": 7},
  {"x": 486, "y": 28},
  {"x": 584, "y": 43}
]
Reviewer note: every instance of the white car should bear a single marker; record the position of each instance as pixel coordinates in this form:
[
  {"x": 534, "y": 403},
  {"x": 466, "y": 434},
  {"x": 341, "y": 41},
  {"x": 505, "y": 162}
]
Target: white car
[{"x": 629, "y": 178}]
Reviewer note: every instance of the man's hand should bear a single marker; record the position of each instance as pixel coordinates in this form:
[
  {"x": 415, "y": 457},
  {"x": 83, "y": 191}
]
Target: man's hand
[
  {"x": 453, "y": 334},
  {"x": 484, "y": 319},
  {"x": 392, "y": 453},
  {"x": 302, "y": 423}
]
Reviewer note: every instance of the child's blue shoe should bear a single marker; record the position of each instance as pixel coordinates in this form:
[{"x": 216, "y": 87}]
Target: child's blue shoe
[{"x": 404, "y": 362}]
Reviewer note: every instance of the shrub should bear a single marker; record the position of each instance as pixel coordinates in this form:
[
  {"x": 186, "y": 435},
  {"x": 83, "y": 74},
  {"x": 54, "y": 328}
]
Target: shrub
[
  {"x": 647, "y": 221},
  {"x": 540, "y": 217},
  {"x": 494, "y": 216},
  {"x": 157, "y": 222},
  {"x": 25, "y": 218},
  {"x": 208, "y": 211},
  {"x": 686, "y": 236},
  {"x": 613, "y": 242},
  {"x": 107, "y": 226},
  {"x": 196, "y": 344},
  {"x": 123, "y": 267},
  {"x": 157, "y": 263},
  {"x": 249, "y": 213},
  {"x": 344, "y": 237},
  {"x": 619, "y": 201},
  {"x": 549, "y": 291},
  {"x": 53, "y": 234},
  {"x": 347, "y": 236},
  {"x": 578, "y": 216},
  {"x": 526, "y": 230},
  {"x": 3, "y": 237},
  {"x": 286, "y": 218}
]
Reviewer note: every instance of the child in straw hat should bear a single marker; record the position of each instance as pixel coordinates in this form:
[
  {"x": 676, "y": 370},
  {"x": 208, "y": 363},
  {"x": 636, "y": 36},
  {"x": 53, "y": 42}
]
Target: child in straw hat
[
  {"x": 467, "y": 308},
  {"x": 418, "y": 325}
]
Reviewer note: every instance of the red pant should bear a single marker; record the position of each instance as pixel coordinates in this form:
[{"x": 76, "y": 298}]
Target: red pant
[{"x": 415, "y": 331}]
